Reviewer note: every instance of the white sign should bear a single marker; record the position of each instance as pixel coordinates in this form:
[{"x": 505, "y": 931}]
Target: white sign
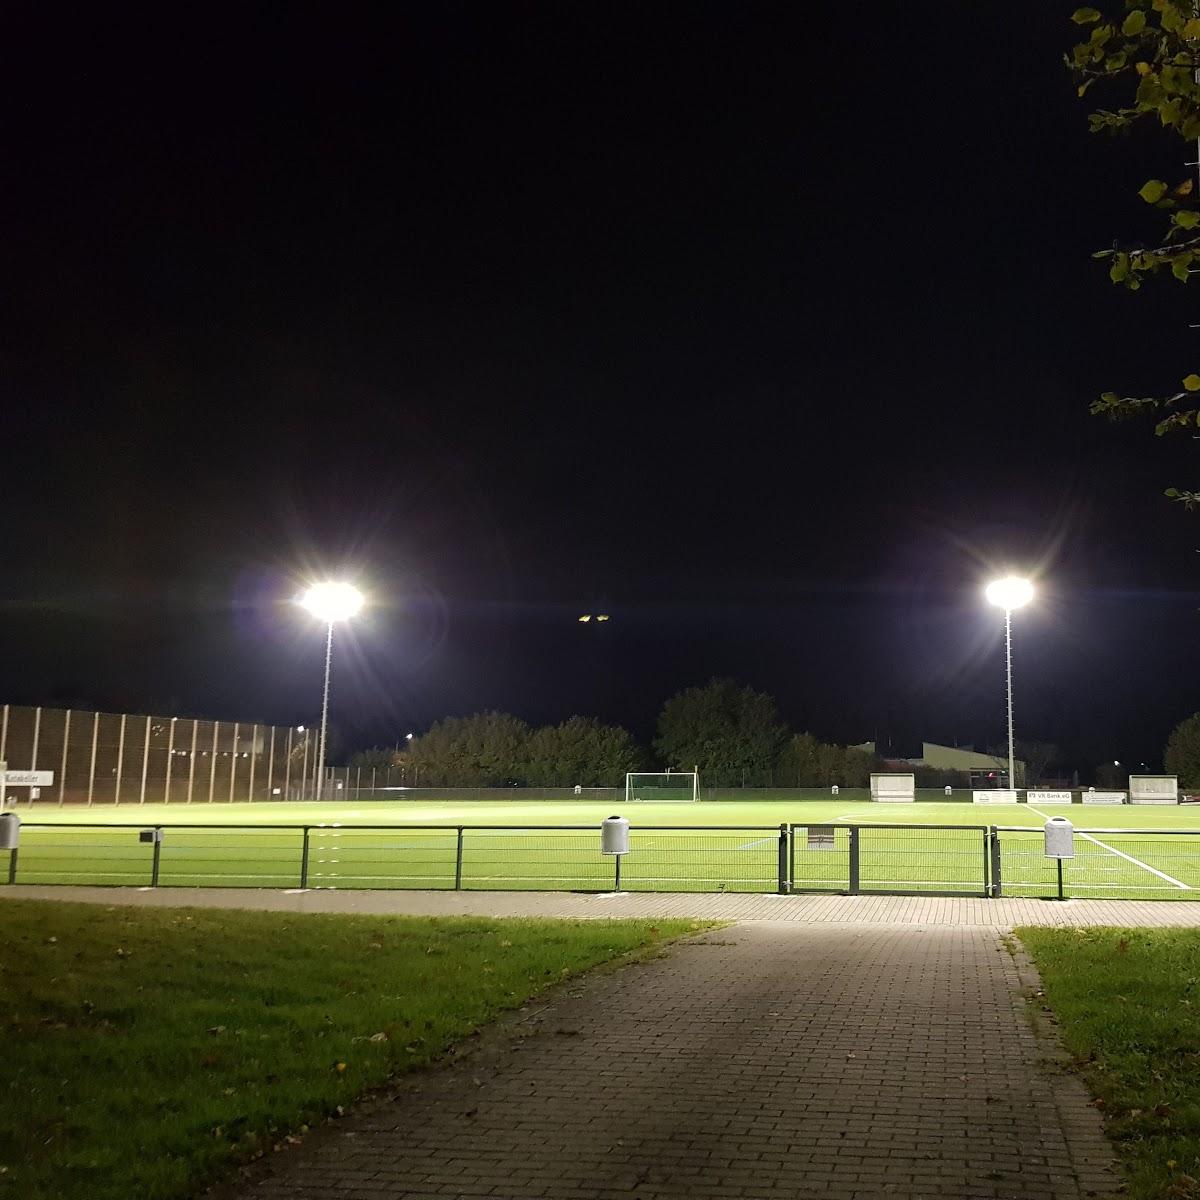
[
  {"x": 28, "y": 778},
  {"x": 1048, "y": 797},
  {"x": 1104, "y": 797},
  {"x": 994, "y": 796}
]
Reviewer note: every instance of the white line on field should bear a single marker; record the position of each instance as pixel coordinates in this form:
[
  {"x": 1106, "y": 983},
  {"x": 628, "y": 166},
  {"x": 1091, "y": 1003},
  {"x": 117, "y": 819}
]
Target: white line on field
[
  {"x": 1137, "y": 862},
  {"x": 760, "y": 842}
]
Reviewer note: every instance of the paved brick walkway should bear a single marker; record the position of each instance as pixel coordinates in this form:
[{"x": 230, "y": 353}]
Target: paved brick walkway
[
  {"x": 817, "y": 910},
  {"x": 769, "y": 1059}
]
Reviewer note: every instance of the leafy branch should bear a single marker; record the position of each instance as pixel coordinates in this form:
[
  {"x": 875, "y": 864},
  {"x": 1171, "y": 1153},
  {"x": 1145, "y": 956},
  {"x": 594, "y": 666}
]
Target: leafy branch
[{"x": 1153, "y": 51}]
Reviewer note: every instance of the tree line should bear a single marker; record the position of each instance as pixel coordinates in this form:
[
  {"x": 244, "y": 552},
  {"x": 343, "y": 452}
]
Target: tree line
[{"x": 732, "y": 734}]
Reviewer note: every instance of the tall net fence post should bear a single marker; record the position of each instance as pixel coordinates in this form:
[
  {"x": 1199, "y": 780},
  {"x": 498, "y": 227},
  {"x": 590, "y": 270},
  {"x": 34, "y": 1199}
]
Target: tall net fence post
[{"x": 855, "y": 873}]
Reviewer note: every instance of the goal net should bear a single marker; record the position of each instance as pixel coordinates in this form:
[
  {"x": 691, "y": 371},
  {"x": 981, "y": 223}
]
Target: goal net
[
  {"x": 893, "y": 789},
  {"x": 1154, "y": 789},
  {"x": 663, "y": 787}
]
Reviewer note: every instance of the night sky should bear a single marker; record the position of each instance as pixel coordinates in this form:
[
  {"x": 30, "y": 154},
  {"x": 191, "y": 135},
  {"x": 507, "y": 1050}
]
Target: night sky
[{"x": 769, "y": 330}]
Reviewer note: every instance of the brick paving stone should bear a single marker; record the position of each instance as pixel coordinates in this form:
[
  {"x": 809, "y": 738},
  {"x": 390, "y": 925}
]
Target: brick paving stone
[
  {"x": 924, "y": 911},
  {"x": 770, "y": 1059}
]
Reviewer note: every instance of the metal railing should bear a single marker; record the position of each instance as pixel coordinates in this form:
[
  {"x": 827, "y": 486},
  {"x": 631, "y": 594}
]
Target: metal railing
[
  {"x": 484, "y": 857},
  {"x": 891, "y": 859},
  {"x": 948, "y": 860}
]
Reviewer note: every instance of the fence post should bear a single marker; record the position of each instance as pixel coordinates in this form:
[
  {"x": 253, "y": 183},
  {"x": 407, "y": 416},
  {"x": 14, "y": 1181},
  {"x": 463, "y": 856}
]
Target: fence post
[
  {"x": 157, "y": 853},
  {"x": 995, "y": 846},
  {"x": 854, "y": 872},
  {"x": 783, "y": 860},
  {"x": 12, "y": 865},
  {"x": 458, "y": 861},
  {"x": 304, "y": 860}
]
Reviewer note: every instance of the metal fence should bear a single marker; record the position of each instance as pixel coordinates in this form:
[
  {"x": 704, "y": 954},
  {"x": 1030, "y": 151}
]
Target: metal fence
[
  {"x": 123, "y": 758},
  {"x": 955, "y": 860},
  {"x": 484, "y": 857},
  {"x": 950, "y": 860}
]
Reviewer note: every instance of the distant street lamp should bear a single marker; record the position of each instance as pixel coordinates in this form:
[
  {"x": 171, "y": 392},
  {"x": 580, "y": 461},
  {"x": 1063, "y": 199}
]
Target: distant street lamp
[
  {"x": 1008, "y": 594},
  {"x": 329, "y": 602}
]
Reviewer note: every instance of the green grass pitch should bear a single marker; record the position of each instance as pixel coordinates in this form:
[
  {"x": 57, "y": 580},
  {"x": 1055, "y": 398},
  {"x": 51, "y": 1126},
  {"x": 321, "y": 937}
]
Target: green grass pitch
[{"x": 531, "y": 845}]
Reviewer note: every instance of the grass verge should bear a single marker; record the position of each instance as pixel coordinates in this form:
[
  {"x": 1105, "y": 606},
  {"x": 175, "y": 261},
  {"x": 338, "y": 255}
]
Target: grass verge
[
  {"x": 1128, "y": 1004},
  {"x": 147, "y": 1050}
]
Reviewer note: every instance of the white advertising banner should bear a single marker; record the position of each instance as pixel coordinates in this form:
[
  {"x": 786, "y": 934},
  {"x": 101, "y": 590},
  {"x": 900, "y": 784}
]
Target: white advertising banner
[
  {"x": 1048, "y": 797},
  {"x": 994, "y": 796}
]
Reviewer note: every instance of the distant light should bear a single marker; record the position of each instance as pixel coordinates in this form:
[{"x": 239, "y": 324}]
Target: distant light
[
  {"x": 1116, "y": 762},
  {"x": 332, "y": 601},
  {"x": 408, "y": 737},
  {"x": 602, "y": 617},
  {"x": 299, "y": 728},
  {"x": 1012, "y": 592},
  {"x": 585, "y": 618}
]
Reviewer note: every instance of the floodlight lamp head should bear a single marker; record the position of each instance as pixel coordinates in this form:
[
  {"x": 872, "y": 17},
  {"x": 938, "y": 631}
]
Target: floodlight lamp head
[
  {"x": 332, "y": 601},
  {"x": 1009, "y": 593}
]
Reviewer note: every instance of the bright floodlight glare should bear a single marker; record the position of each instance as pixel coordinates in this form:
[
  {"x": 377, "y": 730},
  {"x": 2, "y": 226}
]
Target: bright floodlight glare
[
  {"x": 332, "y": 601},
  {"x": 1013, "y": 592}
]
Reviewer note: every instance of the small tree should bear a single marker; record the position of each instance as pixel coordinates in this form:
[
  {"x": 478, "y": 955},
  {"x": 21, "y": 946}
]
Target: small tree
[
  {"x": 484, "y": 750},
  {"x": 1112, "y": 775},
  {"x": 582, "y": 751},
  {"x": 378, "y": 758},
  {"x": 799, "y": 762},
  {"x": 732, "y": 734},
  {"x": 1036, "y": 756},
  {"x": 1182, "y": 755}
]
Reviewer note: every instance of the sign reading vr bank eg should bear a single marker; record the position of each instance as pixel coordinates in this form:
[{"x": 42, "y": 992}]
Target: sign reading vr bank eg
[
  {"x": 1048, "y": 797},
  {"x": 28, "y": 778}
]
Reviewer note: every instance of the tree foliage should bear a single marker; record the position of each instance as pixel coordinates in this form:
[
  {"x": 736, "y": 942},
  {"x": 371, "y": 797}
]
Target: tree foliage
[
  {"x": 377, "y": 758},
  {"x": 1036, "y": 756},
  {"x": 1182, "y": 755},
  {"x": 732, "y": 734},
  {"x": 485, "y": 750},
  {"x": 1149, "y": 56},
  {"x": 807, "y": 762},
  {"x": 581, "y": 751}
]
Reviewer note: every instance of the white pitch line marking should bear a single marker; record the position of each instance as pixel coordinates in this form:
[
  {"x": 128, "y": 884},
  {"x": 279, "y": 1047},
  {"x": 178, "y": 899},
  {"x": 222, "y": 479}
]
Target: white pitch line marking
[
  {"x": 1137, "y": 862},
  {"x": 760, "y": 842}
]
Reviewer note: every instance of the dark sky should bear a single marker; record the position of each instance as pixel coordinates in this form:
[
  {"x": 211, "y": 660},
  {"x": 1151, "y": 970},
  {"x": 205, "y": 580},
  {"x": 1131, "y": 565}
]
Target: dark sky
[{"x": 768, "y": 329}]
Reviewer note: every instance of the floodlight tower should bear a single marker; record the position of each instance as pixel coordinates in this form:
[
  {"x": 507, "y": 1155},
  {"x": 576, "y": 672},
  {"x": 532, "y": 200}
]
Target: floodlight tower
[
  {"x": 1009, "y": 593},
  {"x": 329, "y": 602}
]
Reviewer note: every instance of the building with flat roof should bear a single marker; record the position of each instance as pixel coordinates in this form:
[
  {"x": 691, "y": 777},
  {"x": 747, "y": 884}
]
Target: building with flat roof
[{"x": 980, "y": 770}]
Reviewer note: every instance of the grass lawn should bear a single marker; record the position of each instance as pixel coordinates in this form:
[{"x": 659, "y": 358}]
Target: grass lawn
[
  {"x": 147, "y": 1050},
  {"x": 1128, "y": 1001},
  {"x": 710, "y": 846}
]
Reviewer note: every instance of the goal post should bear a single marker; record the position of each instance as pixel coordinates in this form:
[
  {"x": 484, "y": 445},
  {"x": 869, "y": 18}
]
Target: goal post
[
  {"x": 893, "y": 788},
  {"x": 1154, "y": 789},
  {"x": 663, "y": 787}
]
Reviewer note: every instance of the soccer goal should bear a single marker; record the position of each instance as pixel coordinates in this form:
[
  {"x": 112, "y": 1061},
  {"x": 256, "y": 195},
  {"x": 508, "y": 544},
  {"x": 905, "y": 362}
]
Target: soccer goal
[
  {"x": 663, "y": 787},
  {"x": 1154, "y": 789},
  {"x": 893, "y": 788}
]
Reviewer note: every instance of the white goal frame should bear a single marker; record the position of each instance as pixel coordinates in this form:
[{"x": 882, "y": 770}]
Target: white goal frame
[
  {"x": 686, "y": 779},
  {"x": 1154, "y": 789},
  {"x": 893, "y": 787}
]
